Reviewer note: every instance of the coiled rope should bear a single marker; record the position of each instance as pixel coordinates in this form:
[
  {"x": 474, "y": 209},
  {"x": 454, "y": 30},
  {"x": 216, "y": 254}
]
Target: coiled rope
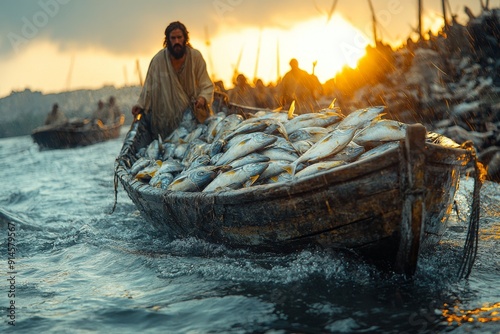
[{"x": 472, "y": 239}]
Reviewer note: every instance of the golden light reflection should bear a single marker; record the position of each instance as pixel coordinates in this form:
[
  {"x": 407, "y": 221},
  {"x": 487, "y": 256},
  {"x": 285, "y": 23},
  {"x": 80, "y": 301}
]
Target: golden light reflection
[
  {"x": 492, "y": 233},
  {"x": 487, "y": 313}
]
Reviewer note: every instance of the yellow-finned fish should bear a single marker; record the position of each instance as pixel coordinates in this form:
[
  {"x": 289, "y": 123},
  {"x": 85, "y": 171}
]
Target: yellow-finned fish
[
  {"x": 319, "y": 167},
  {"x": 312, "y": 120},
  {"x": 235, "y": 178},
  {"x": 194, "y": 179},
  {"x": 379, "y": 150},
  {"x": 251, "y": 143},
  {"x": 328, "y": 146},
  {"x": 381, "y": 131},
  {"x": 311, "y": 133},
  {"x": 147, "y": 173},
  {"x": 361, "y": 117}
]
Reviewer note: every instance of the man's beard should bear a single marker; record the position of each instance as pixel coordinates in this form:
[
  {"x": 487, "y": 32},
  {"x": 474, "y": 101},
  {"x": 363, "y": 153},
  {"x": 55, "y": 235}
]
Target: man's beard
[{"x": 177, "y": 50}]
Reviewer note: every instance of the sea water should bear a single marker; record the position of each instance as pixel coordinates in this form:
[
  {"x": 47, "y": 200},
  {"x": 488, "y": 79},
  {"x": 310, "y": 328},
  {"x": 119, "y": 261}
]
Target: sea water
[{"x": 70, "y": 266}]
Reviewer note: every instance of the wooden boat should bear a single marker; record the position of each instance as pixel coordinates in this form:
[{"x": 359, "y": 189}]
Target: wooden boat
[
  {"x": 75, "y": 133},
  {"x": 385, "y": 208}
]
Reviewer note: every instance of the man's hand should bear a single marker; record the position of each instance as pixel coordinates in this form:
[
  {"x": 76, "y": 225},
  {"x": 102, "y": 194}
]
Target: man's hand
[
  {"x": 201, "y": 110},
  {"x": 136, "y": 110},
  {"x": 200, "y": 102}
]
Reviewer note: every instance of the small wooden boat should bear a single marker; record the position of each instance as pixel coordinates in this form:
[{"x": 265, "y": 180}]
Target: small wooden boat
[
  {"x": 387, "y": 207},
  {"x": 75, "y": 133}
]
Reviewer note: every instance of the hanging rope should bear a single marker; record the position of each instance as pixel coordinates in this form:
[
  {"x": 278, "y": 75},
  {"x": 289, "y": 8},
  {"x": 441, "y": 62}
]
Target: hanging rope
[{"x": 472, "y": 239}]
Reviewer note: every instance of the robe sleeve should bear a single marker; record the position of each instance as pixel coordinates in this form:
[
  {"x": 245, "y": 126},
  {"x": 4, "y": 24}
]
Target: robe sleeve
[
  {"x": 204, "y": 82},
  {"x": 144, "y": 100}
]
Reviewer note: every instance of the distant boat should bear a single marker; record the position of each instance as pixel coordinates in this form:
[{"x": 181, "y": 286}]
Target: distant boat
[
  {"x": 75, "y": 133},
  {"x": 388, "y": 207}
]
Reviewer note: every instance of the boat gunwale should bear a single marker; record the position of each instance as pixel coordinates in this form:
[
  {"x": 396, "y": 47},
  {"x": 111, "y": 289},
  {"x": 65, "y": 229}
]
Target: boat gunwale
[{"x": 324, "y": 179}]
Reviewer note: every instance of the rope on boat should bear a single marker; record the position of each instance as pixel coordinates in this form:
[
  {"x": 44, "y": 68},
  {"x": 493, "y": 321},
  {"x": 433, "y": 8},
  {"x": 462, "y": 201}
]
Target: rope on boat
[
  {"x": 472, "y": 239},
  {"x": 115, "y": 180},
  {"x": 124, "y": 151}
]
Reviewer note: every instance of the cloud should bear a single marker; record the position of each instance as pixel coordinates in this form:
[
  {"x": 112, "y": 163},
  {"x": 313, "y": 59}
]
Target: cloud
[{"x": 130, "y": 26}]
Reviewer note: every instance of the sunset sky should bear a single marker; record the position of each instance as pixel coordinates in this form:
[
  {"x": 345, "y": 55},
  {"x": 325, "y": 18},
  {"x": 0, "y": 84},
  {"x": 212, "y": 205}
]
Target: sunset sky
[{"x": 57, "y": 45}]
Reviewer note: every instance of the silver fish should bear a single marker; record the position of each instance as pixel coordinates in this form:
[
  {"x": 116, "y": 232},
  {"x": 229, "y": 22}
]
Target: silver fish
[
  {"x": 161, "y": 180},
  {"x": 194, "y": 149},
  {"x": 225, "y": 126},
  {"x": 361, "y": 117},
  {"x": 196, "y": 133},
  {"x": 328, "y": 146},
  {"x": 168, "y": 150},
  {"x": 153, "y": 150},
  {"x": 277, "y": 153},
  {"x": 247, "y": 126},
  {"x": 275, "y": 167},
  {"x": 148, "y": 172},
  {"x": 318, "y": 167},
  {"x": 310, "y": 133},
  {"x": 284, "y": 176},
  {"x": 282, "y": 143},
  {"x": 171, "y": 166},
  {"x": 302, "y": 146},
  {"x": 177, "y": 136},
  {"x": 381, "y": 131},
  {"x": 180, "y": 151},
  {"x": 140, "y": 164},
  {"x": 235, "y": 178},
  {"x": 349, "y": 153},
  {"x": 201, "y": 160},
  {"x": 213, "y": 122},
  {"x": 249, "y": 158},
  {"x": 379, "y": 150},
  {"x": 214, "y": 147},
  {"x": 254, "y": 142},
  {"x": 312, "y": 120},
  {"x": 194, "y": 179}
]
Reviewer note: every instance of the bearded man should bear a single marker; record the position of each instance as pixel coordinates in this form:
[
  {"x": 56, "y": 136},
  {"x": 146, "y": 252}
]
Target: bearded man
[{"x": 177, "y": 80}]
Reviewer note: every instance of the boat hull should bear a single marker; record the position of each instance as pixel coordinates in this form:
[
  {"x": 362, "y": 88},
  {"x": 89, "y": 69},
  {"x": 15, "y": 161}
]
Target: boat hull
[
  {"x": 371, "y": 207},
  {"x": 74, "y": 135}
]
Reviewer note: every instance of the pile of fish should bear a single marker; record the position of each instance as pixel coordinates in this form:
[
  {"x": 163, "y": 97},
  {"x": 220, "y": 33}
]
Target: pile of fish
[{"x": 229, "y": 152}]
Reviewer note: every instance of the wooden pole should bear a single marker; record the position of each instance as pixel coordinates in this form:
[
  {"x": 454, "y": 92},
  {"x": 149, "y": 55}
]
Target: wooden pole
[
  {"x": 420, "y": 28},
  {"x": 138, "y": 69},
  {"x": 257, "y": 58},
  {"x": 278, "y": 61},
  {"x": 443, "y": 4},
  {"x": 374, "y": 23}
]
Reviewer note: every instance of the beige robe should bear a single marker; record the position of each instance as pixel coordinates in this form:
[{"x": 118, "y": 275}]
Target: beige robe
[{"x": 166, "y": 94}]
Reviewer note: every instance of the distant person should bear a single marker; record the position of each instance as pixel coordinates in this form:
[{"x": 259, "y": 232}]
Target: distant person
[
  {"x": 101, "y": 113},
  {"x": 242, "y": 93},
  {"x": 55, "y": 117},
  {"x": 263, "y": 95},
  {"x": 114, "y": 111},
  {"x": 177, "y": 79},
  {"x": 298, "y": 85}
]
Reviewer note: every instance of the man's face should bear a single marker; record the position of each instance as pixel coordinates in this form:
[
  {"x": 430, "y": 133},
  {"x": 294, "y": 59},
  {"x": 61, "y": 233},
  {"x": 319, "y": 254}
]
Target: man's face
[{"x": 177, "y": 45}]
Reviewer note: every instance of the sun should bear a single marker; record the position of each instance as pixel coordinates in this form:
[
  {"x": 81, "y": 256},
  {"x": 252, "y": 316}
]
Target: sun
[{"x": 321, "y": 46}]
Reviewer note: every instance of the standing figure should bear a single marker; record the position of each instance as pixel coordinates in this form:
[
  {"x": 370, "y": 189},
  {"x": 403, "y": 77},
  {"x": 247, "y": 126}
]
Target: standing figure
[
  {"x": 177, "y": 79},
  {"x": 298, "y": 85},
  {"x": 114, "y": 111},
  {"x": 55, "y": 117},
  {"x": 242, "y": 92}
]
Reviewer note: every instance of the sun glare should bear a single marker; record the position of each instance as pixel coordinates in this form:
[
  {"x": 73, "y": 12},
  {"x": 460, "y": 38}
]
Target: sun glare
[{"x": 319, "y": 46}]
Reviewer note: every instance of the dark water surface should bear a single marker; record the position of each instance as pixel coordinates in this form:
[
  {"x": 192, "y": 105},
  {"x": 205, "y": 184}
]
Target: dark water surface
[{"x": 78, "y": 269}]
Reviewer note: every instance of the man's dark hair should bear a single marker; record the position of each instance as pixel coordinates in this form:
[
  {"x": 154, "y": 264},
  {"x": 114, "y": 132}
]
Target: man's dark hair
[{"x": 171, "y": 27}]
